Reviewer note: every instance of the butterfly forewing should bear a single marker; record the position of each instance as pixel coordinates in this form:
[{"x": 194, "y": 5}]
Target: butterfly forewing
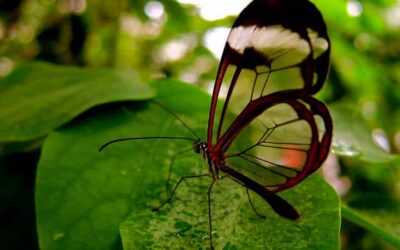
[{"x": 272, "y": 46}]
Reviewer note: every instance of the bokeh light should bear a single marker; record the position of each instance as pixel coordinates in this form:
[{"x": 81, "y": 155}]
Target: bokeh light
[
  {"x": 381, "y": 139},
  {"x": 214, "y": 40},
  {"x": 354, "y": 8},
  {"x": 154, "y": 10},
  {"x": 393, "y": 16},
  {"x": 213, "y": 10}
]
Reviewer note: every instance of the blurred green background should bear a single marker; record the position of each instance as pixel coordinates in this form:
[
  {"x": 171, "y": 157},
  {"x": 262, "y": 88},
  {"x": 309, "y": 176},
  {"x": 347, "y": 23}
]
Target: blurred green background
[{"x": 183, "y": 39}]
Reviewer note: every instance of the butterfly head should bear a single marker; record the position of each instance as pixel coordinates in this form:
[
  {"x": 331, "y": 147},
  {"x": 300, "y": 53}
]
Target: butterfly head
[{"x": 200, "y": 147}]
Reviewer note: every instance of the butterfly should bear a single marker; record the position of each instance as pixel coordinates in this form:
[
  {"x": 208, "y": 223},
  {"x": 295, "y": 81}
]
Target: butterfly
[
  {"x": 268, "y": 37},
  {"x": 275, "y": 59}
]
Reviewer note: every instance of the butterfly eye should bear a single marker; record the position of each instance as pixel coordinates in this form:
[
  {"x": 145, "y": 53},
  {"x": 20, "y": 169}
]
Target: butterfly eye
[{"x": 197, "y": 147}]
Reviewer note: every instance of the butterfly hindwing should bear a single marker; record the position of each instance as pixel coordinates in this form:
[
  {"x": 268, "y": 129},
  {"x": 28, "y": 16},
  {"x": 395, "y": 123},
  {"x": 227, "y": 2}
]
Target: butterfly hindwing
[{"x": 284, "y": 141}]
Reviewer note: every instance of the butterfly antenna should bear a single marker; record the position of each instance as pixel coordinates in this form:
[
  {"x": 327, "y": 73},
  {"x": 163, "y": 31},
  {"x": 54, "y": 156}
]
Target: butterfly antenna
[
  {"x": 145, "y": 138},
  {"x": 177, "y": 117},
  {"x": 157, "y": 137}
]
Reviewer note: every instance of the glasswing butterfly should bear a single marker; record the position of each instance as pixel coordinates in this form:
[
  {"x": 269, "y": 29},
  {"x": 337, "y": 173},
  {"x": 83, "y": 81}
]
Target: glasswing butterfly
[{"x": 275, "y": 58}]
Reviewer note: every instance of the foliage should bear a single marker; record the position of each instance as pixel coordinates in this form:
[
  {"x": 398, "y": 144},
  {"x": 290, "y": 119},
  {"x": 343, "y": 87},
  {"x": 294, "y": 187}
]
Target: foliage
[
  {"x": 55, "y": 116},
  {"x": 97, "y": 191}
]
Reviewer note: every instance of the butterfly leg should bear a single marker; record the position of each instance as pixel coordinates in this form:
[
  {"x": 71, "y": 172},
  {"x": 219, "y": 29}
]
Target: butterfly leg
[
  {"x": 209, "y": 213},
  {"x": 171, "y": 164},
  {"x": 171, "y": 195},
  {"x": 253, "y": 207}
]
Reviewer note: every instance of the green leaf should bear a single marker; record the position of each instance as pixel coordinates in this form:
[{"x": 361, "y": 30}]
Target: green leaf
[
  {"x": 383, "y": 221},
  {"x": 184, "y": 223},
  {"x": 353, "y": 138},
  {"x": 38, "y": 97},
  {"x": 83, "y": 196}
]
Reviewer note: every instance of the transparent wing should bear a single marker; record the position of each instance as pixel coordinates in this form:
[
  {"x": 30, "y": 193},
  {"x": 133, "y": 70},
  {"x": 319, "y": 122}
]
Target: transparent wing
[{"x": 271, "y": 47}]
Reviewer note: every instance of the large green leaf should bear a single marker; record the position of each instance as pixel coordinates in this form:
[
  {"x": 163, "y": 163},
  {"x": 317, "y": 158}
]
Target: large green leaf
[
  {"x": 83, "y": 196},
  {"x": 38, "y": 97},
  {"x": 184, "y": 223}
]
